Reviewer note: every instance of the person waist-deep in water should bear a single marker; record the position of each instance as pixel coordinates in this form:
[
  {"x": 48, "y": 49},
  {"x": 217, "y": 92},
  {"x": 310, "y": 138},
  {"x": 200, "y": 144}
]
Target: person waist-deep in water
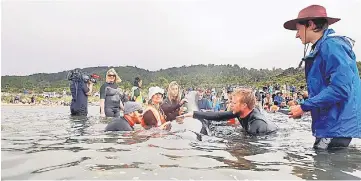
[
  {"x": 243, "y": 107},
  {"x": 172, "y": 104},
  {"x": 333, "y": 82},
  {"x": 80, "y": 92},
  {"x": 132, "y": 115},
  {"x": 153, "y": 115},
  {"x": 110, "y": 95}
]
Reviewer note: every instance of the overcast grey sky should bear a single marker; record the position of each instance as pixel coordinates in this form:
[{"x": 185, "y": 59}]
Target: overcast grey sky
[{"x": 49, "y": 36}]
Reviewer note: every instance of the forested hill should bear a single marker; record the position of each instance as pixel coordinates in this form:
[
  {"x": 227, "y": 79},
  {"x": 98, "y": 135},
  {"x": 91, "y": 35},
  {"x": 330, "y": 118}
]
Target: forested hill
[{"x": 187, "y": 76}]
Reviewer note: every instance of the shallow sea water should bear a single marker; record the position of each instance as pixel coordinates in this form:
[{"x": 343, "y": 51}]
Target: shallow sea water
[{"x": 46, "y": 143}]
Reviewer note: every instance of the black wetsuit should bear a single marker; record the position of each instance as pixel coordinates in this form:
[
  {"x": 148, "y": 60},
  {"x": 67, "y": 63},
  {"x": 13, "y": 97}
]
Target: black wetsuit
[
  {"x": 112, "y": 97},
  {"x": 254, "y": 124},
  {"x": 119, "y": 124}
]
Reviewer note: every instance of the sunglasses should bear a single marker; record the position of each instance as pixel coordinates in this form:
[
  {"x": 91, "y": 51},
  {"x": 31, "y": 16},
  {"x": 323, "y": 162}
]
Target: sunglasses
[
  {"x": 140, "y": 111},
  {"x": 111, "y": 75}
]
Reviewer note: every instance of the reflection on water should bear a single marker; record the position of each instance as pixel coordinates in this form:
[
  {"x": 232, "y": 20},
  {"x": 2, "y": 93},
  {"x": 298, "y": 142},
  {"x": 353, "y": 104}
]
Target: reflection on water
[{"x": 46, "y": 143}]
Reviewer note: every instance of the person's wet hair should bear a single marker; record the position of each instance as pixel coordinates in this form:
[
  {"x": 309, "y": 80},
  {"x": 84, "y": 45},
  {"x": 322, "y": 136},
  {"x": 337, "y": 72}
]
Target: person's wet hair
[{"x": 247, "y": 97}]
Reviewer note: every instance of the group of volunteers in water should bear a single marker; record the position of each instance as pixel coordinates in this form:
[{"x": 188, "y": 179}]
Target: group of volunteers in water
[
  {"x": 333, "y": 95},
  {"x": 159, "y": 112}
]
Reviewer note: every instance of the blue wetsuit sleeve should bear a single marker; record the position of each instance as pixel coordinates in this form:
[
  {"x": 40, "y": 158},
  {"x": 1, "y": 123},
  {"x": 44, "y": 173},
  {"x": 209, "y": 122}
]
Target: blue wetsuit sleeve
[{"x": 339, "y": 73}]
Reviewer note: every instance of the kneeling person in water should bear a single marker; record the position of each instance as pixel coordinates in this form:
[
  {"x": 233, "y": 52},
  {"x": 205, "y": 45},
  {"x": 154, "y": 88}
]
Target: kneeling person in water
[
  {"x": 154, "y": 115},
  {"x": 243, "y": 108},
  {"x": 132, "y": 115}
]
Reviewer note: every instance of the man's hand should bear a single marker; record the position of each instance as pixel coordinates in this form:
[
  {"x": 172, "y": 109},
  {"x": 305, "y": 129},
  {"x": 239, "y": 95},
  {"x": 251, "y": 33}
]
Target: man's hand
[
  {"x": 166, "y": 126},
  {"x": 183, "y": 101},
  {"x": 188, "y": 115},
  {"x": 182, "y": 110},
  {"x": 179, "y": 120},
  {"x": 90, "y": 84},
  {"x": 296, "y": 112}
]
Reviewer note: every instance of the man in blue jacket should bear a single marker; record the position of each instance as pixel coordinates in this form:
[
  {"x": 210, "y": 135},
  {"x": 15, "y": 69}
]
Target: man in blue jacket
[
  {"x": 332, "y": 78},
  {"x": 203, "y": 103},
  {"x": 278, "y": 98}
]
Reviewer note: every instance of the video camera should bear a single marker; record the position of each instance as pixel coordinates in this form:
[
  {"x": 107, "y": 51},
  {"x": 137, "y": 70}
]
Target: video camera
[{"x": 77, "y": 75}]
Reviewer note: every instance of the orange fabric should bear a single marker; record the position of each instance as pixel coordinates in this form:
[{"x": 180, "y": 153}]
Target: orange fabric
[
  {"x": 130, "y": 120},
  {"x": 160, "y": 118},
  {"x": 232, "y": 121}
]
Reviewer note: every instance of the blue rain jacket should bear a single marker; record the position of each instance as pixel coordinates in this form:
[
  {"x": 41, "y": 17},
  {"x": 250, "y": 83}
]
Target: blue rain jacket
[
  {"x": 333, "y": 87},
  {"x": 278, "y": 99}
]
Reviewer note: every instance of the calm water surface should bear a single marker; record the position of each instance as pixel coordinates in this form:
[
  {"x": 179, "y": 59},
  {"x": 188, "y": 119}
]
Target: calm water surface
[{"x": 46, "y": 143}]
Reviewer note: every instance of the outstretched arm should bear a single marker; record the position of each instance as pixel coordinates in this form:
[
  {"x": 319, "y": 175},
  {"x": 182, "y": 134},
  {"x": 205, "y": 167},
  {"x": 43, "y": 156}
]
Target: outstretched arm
[
  {"x": 168, "y": 108},
  {"x": 214, "y": 116}
]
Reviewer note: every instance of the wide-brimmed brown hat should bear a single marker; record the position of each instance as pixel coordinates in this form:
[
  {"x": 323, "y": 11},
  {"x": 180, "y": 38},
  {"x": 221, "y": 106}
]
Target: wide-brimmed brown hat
[{"x": 308, "y": 13}]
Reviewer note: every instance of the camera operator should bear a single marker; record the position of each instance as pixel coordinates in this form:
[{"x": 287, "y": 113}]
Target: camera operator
[{"x": 81, "y": 87}]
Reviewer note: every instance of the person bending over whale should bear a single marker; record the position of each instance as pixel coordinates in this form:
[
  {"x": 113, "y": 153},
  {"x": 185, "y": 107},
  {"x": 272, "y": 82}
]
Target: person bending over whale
[
  {"x": 242, "y": 107},
  {"x": 132, "y": 115},
  {"x": 154, "y": 115},
  {"x": 173, "y": 103}
]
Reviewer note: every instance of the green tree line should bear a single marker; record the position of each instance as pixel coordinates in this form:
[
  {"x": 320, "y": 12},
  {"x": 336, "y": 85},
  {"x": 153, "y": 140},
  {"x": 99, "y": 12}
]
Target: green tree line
[{"x": 187, "y": 76}]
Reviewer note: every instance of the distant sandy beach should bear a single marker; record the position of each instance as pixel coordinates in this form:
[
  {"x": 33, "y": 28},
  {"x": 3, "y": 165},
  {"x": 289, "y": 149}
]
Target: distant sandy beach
[
  {"x": 39, "y": 105},
  {"x": 10, "y": 104}
]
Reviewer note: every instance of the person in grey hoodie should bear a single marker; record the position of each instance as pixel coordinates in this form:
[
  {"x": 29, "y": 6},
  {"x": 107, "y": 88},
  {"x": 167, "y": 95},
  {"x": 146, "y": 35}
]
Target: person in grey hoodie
[{"x": 242, "y": 107}]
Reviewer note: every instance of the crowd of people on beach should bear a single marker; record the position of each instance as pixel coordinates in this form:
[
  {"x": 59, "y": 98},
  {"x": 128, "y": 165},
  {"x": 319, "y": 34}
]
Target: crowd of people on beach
[
  {"x": 272, "y": 100},
  {"x": 36, "y": 100}
]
